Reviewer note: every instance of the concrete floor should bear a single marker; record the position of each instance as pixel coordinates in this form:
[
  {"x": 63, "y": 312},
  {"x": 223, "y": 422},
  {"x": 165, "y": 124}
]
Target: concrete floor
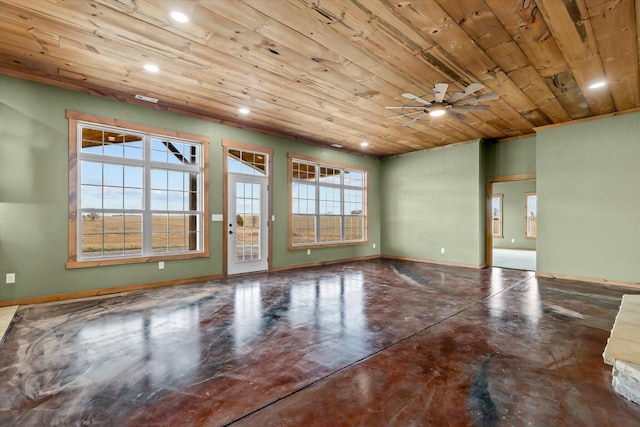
[
  {"x": 376, "y": 343},
  {"x": 514, "y": 258}
]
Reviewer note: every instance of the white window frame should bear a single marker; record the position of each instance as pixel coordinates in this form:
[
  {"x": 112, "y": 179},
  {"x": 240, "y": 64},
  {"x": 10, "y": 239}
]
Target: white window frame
[
  {"x": 77, "y": 121},
  {"x": 316, "y": 215},
  {"x": 500, "y": 215},
  {"x": 528, "y": 234}
]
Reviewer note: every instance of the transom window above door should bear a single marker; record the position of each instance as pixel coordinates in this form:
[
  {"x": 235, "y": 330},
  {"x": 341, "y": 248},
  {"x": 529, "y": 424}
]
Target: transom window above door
[{"x": 246, "y": 162}]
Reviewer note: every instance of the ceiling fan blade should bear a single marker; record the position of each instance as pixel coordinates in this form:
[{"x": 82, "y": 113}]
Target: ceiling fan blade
[
  {"x": 440, "y": 90},
  {"x": 404, "y": 106},
  {"x": 415, "y": 98},
  {"x": 404, "y": 114},
  {"x": 486, "y": 97},
  {"x": 469, "y": 90},
  {"x": 459, "y": 107},
  {"x": 412, "y": 121},
  {"x": 457, "y": 115}
]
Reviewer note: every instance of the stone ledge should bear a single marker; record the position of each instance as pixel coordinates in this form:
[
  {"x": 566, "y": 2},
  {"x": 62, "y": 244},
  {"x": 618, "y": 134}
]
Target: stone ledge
[
  {"x": 6, "y": 318},
  {"x": 626, "y": 380},
  {"x": 624, "y": 342}
]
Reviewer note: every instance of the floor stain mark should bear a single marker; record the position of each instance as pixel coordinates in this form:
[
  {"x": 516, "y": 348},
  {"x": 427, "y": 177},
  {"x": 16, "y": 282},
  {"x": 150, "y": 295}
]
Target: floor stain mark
[{"x": 482, "y": 408}]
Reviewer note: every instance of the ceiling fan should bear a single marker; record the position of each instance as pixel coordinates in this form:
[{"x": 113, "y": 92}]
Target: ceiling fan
[{"x": 453, "y": 105}]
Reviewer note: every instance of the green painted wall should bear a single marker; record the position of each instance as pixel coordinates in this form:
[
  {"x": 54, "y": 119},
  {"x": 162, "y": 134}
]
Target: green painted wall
[
  {"x": 513, "y": 214},
  {"x": 589, "y": 199},
  {"x": 435, "y": 199},
  {"x": 513, "y": 157},
  {"x": 483, "y": 152},
  {"x": 587, "y": 179},
  {"x": 34, "y": 192}
]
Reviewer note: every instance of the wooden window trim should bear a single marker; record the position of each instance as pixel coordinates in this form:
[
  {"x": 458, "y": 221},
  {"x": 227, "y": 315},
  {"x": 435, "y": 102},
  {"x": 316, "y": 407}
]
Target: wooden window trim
[
  {"x": 323, "y": 162},
  {"x": 73, "y": 118}
]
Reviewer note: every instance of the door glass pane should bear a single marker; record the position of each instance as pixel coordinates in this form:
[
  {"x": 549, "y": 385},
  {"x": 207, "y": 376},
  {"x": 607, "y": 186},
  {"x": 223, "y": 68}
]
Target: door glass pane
[{"x": 247, "y": 222}]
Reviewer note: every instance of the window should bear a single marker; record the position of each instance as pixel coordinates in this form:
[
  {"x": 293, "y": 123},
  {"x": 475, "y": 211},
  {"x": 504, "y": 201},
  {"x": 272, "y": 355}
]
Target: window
[
  {"x": 136, "y": 193},
  {"x": 532, "y": 215},
  {"x": 327, "y": 204},
  {"x": 246, "y": 162},
  {"x": 496, "y": 215}
]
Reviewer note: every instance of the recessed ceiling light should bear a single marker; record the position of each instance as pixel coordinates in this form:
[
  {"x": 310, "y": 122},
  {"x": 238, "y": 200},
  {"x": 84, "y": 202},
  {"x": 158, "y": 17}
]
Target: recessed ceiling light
[
  {"x": 152, "y": 68},
  {"x": 244, "y": 110},
  {"x": 597, "y": 85},
  {"x": 179, "y": 17},
  {"x": 437, "y": 112},
  {"x": 364, "y": 144}
]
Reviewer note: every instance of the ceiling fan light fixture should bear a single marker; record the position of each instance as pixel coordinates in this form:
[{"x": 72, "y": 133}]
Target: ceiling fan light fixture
[
  {"x": 443, "y": 104},
  {"x": 598, "y": 84},
  {"x": 437, "y": 112}
]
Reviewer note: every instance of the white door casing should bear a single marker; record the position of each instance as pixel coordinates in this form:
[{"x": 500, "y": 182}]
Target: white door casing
[{"x": 247, "y": 222}]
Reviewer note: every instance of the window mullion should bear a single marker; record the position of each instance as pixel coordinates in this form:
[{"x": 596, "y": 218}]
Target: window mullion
[
  {"x": 317, "y": 212},
  {"x": 342, "y": 213},
  {"x": 146, "y": 215}
]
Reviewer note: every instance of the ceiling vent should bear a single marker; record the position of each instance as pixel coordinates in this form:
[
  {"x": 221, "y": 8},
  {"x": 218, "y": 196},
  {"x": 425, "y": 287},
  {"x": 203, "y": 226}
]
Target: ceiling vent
[{"x": 147, "y": 98}]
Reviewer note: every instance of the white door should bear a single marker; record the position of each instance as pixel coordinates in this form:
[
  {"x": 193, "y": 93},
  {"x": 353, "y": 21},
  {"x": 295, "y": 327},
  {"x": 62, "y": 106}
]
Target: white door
[{"x": 247, "y": 242}]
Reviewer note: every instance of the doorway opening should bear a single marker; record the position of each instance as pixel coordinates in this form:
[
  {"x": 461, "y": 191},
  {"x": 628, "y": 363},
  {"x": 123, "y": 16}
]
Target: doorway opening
[
  {"x": 512, "y": 222},
  {"x": 247, "y": 208}
]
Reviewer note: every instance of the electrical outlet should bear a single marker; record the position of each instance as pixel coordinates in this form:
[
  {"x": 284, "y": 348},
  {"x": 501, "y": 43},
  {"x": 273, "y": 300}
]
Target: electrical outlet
[
  {"x": 11, "y": 278},
  {"x": 374, "y": 246},
  {"x": 513, "y": 240},
  {"x": 441, "y": 250},
  {"x": 308, "y": 251},
  {"x": 161, "y": 265}
]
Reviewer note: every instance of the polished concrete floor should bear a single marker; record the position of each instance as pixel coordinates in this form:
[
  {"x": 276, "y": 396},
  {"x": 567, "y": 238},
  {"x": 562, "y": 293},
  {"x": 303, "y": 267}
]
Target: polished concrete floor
[{"x": 376, "y": 343}]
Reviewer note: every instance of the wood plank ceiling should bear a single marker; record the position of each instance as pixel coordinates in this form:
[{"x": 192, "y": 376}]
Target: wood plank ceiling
[{"x": 323, "y": 71}]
